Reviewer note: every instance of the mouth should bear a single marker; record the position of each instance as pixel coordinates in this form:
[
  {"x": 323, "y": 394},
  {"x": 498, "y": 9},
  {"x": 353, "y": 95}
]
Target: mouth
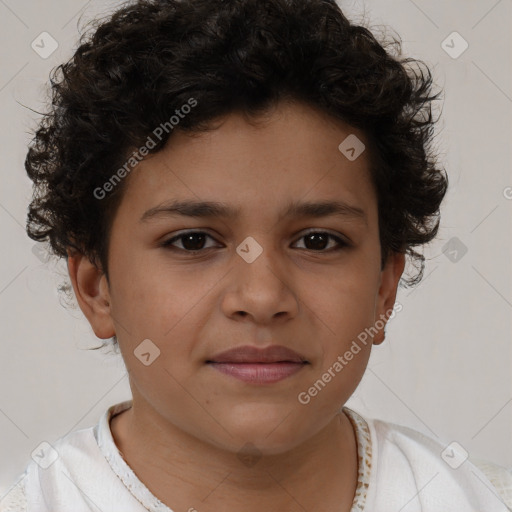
[{"x": 259, "y": 366}]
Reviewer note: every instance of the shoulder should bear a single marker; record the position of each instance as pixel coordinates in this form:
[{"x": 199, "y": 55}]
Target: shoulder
[
  {"x": 67, "y": 471},
  {"x": 47, "y": 465},
  {"x": 52, "y": 469},
  {"x": 439, "y": 473}
]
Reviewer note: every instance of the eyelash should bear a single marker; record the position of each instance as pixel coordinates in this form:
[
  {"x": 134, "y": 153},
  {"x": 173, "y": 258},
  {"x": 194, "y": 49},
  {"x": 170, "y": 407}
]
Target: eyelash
[{"x": 168, "y": 244}]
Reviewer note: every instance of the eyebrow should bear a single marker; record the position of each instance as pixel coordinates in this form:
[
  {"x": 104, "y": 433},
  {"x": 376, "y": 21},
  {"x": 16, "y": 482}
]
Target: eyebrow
[{"x": 211, "y": 209}]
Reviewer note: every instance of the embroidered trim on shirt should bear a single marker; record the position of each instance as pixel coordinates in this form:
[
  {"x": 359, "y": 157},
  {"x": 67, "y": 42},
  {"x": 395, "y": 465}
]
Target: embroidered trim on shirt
[
  {"x": 124, "y": 472},
  {"x": 364, "y": 458}
]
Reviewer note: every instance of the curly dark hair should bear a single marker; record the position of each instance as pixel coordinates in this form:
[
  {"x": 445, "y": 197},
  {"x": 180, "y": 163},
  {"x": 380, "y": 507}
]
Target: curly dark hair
[{"x": 135, "y": 68}]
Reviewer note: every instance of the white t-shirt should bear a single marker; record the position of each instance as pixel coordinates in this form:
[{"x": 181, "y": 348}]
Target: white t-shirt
[{"x": 399, "y": 469}]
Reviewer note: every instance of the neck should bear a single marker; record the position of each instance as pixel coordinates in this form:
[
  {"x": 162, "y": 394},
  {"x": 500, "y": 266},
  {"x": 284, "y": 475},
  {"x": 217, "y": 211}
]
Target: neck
[{"x": 187, "y": 473}]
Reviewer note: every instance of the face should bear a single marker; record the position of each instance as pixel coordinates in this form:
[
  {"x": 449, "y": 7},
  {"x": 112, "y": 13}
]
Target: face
[{"x": 308, "y": 280}]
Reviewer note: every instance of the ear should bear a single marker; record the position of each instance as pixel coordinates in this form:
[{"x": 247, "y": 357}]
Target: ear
[
  {"x": 92, "y": 292},
  {"x": 390, "y": 276}
]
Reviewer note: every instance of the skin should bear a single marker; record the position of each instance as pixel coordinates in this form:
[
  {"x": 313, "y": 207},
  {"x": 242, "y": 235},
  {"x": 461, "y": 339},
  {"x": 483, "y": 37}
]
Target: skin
[{"x": 188, "y": 421}]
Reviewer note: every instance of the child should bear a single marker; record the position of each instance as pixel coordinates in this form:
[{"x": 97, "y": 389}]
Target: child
[{"x": 255, "y": 128}]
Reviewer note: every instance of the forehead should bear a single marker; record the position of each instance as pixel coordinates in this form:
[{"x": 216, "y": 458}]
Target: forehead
[{"x": 292, "y": 155}]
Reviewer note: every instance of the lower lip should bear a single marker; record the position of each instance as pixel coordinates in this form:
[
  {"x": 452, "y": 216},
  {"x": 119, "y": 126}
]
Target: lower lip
[{"x": 259, "y": 373}]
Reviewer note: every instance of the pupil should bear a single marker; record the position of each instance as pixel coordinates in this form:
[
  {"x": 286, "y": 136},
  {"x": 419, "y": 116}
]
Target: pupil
[
  {"x": 316, "y": 245},
  {"x": 191, "y": 246}
]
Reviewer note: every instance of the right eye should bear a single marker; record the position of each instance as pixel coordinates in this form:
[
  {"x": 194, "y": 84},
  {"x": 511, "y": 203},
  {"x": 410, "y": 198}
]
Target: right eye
[{"x": 191, "y": 241}]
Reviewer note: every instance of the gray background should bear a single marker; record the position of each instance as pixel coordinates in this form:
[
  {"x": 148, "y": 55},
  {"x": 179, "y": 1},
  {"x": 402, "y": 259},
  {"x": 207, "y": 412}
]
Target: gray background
[{"x": 444, "y": 368}]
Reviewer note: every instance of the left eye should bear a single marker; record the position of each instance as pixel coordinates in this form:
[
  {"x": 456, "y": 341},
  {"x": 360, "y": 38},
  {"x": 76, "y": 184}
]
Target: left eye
[
  {"x": 193, "y": 241},
  {"x": 318, "y": 240}
]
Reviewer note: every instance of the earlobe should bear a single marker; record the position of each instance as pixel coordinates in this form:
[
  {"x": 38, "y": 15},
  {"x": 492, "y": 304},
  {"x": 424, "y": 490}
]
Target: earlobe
[
  {"x": 390, "y": 277},
  {"x": 92, "y": 293}
]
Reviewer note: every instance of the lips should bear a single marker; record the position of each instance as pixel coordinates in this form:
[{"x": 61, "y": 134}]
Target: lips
[
  {"x": 258, "y": 365},
  {"x": 251, "y": 354}
]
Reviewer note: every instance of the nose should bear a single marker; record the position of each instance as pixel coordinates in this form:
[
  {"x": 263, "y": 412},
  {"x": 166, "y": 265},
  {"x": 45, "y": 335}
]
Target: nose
[{"x": 261, "y": 291}]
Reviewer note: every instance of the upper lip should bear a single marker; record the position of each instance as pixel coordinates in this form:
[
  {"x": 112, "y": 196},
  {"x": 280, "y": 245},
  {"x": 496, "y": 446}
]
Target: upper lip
[{"x": 251, "y": 354}]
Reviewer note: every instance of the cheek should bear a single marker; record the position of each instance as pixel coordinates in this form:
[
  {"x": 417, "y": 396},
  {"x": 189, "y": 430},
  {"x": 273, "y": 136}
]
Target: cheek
[
  {"x": 171, "y": 312},
  {"x": 345, "y": 306},
  {"x": 346, "y": 310},
  {"x": 151, "y": 300},
  {"x": 334, "y": 380}
]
